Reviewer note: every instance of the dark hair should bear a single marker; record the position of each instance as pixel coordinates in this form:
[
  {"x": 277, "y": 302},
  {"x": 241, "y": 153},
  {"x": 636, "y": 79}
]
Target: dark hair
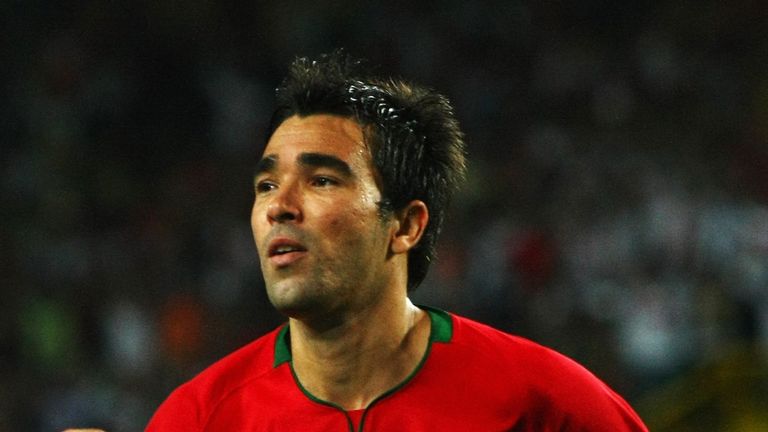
[{"x": 415, "y": 141}]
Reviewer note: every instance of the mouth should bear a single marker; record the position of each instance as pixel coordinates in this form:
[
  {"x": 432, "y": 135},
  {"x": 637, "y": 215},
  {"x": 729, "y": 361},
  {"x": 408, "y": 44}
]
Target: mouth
[{"x": 282, "y": 251}]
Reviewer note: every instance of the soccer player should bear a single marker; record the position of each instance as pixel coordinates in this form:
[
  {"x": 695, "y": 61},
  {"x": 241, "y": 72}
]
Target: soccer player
[{"x": 350, "y": 194}]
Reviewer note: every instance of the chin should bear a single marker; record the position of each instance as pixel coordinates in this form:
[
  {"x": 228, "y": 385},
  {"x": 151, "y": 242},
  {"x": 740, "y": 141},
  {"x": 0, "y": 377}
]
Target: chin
[
  {"x": 314, "y": 311},
  {"x": 291, "y": 300}
]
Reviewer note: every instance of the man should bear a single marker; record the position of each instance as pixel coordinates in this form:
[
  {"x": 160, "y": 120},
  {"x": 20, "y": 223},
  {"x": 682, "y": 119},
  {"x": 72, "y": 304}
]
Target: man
[{"x": 349, "y": 197}]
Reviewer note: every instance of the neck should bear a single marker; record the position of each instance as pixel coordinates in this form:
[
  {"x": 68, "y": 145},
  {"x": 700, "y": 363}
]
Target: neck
[{"x": 367, "y": 354}]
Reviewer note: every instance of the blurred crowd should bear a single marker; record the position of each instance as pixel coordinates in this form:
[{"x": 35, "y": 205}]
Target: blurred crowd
[{"x": 616, "y": 208}]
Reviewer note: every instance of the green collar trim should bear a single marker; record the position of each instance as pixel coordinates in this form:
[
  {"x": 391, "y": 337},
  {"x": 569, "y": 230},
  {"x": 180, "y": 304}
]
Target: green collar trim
[
  {"x": 442, "y": 325},
  {"x": 440, "y": 331},
  {"x": 283, "y": 347}
]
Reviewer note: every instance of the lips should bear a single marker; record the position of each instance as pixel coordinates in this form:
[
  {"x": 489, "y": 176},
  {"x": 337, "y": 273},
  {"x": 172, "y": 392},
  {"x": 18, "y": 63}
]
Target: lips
[{"x": 284, "y": 251}]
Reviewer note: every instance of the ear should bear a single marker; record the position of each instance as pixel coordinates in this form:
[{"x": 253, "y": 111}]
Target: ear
[{"x": 411, "y": 222}]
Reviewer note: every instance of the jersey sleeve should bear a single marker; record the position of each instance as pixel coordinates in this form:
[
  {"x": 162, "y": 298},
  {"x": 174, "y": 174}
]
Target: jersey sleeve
[
  {"x": 179, "y": 412},
  {"x": 602, "y": 409},
  {"x": 527, "y": 386},
  {"x": 576, "y": 400}
]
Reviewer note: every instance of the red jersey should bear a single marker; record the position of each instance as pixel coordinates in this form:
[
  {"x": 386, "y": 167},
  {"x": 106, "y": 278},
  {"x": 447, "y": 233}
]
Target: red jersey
[{"x": 472, "y": 378}]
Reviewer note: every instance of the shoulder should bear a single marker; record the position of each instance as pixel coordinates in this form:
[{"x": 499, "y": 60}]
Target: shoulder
[
  {"x": 488, "y": 344},
  {"x": 189, "y": 405},
  {"x": 247, "y": 363},
  {"x": 550, "y": 384}
]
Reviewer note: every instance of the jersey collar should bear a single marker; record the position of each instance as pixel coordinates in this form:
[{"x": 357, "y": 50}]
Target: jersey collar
[{"x": 441, "y": 330}]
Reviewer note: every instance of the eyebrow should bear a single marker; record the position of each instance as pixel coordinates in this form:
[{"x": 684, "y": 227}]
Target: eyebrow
[
  {"x": 322, "y": 160},
  {"x": 266, "y": 164},
  {"x": 314, "y": 160}
]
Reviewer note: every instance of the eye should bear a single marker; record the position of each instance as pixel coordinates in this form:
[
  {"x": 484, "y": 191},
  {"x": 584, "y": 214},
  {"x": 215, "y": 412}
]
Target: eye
[
  {"x": 323, "y": 181},
  {"x": 265, "y": 186}
]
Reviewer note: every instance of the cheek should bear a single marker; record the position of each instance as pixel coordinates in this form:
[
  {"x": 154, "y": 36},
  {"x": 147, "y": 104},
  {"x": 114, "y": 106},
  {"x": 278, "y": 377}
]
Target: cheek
[
  {"x": 349, "y": 226},
  {"x": 360, "y": 230},
  {"x": 345, "y": 225},
  {"x": 257, "y": 225}
]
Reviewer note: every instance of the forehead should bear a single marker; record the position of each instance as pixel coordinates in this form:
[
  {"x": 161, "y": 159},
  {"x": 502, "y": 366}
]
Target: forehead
[{"x": 319, "y": 133}]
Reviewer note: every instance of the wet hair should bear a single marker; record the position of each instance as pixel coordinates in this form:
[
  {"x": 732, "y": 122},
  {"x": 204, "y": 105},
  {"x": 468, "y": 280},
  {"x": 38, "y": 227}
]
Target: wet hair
[{"x": 416, "y": 145}]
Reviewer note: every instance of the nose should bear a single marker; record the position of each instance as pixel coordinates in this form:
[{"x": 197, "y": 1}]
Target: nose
[{"x": 285, "y": 205}]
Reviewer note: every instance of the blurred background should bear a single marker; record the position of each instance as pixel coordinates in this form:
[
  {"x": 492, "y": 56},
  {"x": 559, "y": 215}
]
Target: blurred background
[{"x": 616, "y": 209}]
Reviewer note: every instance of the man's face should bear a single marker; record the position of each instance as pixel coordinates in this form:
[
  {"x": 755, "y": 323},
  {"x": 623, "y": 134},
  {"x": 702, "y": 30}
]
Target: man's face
[{"x": 315, "y": 219}]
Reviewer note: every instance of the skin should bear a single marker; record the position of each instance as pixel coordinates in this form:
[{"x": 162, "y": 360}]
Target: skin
[{"x": 343, "y": 282}]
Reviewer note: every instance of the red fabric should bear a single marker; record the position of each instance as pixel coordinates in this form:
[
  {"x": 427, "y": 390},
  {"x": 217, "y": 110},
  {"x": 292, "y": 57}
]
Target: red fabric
[{"x": 482, "y": 380}]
